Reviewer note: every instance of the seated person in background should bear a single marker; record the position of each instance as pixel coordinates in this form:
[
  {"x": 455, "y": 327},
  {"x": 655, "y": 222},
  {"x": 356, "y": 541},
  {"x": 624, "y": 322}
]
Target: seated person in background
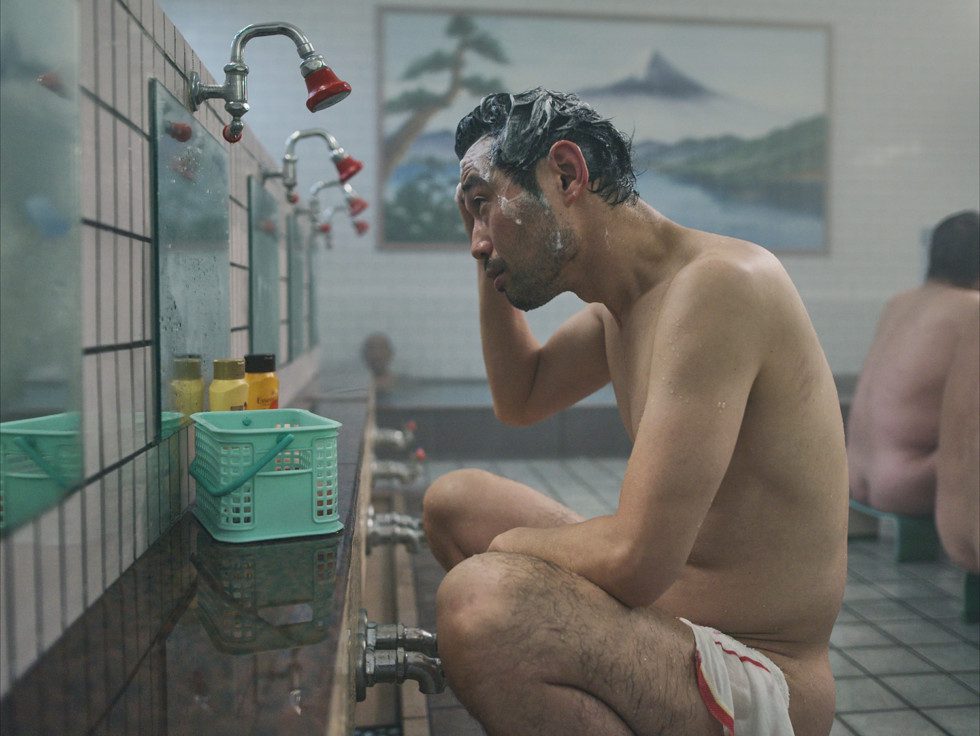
[
  {"x": 377, "y": 353},
  {"x": 706, "y": 600},
  {"x": 958, "y": 464},
  {"x": 893, "y": 425}
]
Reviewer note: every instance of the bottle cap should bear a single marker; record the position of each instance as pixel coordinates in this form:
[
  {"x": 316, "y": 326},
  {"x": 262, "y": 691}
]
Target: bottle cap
[
  {"x": 229, "y": 369},
  {"x": 260, "y": 363},
  {"x": 187, "y": 367}
]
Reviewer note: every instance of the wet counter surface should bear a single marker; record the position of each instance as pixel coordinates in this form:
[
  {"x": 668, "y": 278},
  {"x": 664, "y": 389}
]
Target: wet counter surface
[{"x": 204, "y": 637}]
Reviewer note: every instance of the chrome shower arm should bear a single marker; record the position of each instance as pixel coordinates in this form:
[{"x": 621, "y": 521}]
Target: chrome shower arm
[{"x": 275, "y": 28}]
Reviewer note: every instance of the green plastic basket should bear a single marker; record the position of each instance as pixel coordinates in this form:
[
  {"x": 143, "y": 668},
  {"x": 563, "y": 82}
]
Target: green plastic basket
[
  {"x": 265, "y": 474},
  {"x": 40, "y": 460}
]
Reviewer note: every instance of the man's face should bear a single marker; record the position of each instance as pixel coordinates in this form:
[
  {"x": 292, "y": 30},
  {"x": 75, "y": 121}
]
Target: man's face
[{"x": 515, "y": 233}]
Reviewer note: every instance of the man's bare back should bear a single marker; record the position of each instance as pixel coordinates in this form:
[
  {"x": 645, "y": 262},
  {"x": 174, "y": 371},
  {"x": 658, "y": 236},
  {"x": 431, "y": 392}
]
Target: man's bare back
[{"x": 893, "y": 425}]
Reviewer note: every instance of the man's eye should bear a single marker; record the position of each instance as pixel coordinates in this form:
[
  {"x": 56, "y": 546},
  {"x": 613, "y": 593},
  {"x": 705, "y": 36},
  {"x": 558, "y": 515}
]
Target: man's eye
[{"x": 478, "y": 203}]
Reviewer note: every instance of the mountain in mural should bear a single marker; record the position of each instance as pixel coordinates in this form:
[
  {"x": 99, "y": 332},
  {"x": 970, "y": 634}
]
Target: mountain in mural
[{"x": 660, "y": 79}]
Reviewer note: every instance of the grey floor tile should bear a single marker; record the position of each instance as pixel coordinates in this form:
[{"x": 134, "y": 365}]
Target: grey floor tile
[
  {"x": 888, "y": 660},
  {"x": 910, "y": 588},
  {"x": 839, "y": 729},
  {"x": 961, "y": 657},
  {"x": 958, "y": 721},
  {"x": 841, "y": 666},
  {"x": 882, "y": 609},
  {"x": 924, "y": 691},
  {"x": 855, "y": 591},
  {"x": 917, "y": 632},
  {"x": 857, "y": 635},
  {"x": 969, "y": 632},
  {"x": 846, "y": 616},
  {"x": 454, "y": 722},
  {"x": 875, "y": 570},
  {"x": 891, "y": 723},
  {"x": 939, "y": 607},
  {"x": 863, "y": 694}
]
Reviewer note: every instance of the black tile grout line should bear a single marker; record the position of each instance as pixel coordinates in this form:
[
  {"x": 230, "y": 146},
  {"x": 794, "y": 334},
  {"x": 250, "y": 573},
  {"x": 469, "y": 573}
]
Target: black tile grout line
[{"x": 104, "y": 227}]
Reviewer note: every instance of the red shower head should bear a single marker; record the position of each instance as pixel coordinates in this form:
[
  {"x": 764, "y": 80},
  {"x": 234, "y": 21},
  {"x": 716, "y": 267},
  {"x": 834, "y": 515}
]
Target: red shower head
[
  {"x": 325, "y": 88},
  {"x": 324, "y": 227},
  {"x": 347, "y": 167},
  {"x": 361, "y": 226},
  {"x": 230, "y": 135},
  {"x": 356, "y": 205}
]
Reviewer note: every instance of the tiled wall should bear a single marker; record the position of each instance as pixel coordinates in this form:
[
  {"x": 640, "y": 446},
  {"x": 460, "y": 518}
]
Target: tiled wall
[{"x": 57, "y": 565}]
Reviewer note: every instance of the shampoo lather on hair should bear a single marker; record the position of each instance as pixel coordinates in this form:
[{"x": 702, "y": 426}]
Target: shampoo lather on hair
[{"x": 229, "y": 389}]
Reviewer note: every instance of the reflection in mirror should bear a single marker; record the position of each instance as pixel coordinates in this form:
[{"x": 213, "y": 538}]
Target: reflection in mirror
[
  {"x": 190, "y": 209},
  {"x": 40, "y": 258},
  {"x": 298, "y": 236},
  {"x": 263, "y": 247}
]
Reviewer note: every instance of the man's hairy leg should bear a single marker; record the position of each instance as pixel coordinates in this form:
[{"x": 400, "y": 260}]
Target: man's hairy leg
[
  {"x": 530, "y": 648},
  {"x": 465, "y": 509}
]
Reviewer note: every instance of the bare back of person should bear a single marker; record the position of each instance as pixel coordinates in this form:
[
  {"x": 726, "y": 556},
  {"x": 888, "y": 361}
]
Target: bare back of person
[{"x": 893, "y": 425}]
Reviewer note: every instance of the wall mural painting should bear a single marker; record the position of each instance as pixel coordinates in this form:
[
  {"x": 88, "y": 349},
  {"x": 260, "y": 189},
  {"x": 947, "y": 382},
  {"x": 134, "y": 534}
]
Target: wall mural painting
[{"x": 729, "y": 121}]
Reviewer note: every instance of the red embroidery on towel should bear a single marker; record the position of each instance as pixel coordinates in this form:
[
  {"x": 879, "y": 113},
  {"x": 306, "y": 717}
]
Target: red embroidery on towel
[
  {"x": 741, "y": 657},
  {"x": 714, "y": 707}
]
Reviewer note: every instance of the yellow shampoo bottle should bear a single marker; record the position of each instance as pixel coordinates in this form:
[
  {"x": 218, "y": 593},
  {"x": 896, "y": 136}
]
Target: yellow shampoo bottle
[
  {"x": 263, "y": 383},
  {"x": 228, "y": 390},
  {"x": 187, "y": 385}
]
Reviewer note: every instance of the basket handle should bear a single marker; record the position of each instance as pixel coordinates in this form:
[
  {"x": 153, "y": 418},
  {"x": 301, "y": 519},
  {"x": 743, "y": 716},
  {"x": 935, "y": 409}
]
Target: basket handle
[
  {"x": 28, "y": 448},
  {"x": 247, "y": 476}
]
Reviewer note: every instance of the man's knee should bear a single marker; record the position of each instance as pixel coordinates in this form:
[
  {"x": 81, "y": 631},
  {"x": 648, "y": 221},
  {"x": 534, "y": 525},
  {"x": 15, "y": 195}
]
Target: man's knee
[
  {"x": 478, "y": 602},
  {"x": 446, "y": 498}
]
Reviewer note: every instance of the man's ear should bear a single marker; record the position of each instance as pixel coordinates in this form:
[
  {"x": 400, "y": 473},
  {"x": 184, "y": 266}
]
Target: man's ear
[{"x": 566, "y": 161}]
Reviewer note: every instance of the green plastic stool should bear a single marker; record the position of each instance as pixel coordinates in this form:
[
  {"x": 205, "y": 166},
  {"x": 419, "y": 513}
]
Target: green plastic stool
[
  {"x": 971, "y": 599},
  {"x": 917, "y": 539}
]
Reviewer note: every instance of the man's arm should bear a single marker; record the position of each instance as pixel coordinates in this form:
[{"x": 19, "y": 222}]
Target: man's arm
[
  {"x": 530, "y": 381},
  {"x": 706, "y": 355}
]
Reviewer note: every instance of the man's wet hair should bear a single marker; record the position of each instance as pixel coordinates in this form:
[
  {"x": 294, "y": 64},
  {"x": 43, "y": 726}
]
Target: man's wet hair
[
  {"x": 523, "y": 127},
  {"x": 954, "y": 253}
]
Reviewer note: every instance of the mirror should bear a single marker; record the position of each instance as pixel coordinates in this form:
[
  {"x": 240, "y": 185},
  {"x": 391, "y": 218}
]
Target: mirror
[
  {"x": 190, "y": 221},
  {"x": 263, "y": 249},
  {"x": 40, "y": 260},
  {"x": 298, "y": 236}
]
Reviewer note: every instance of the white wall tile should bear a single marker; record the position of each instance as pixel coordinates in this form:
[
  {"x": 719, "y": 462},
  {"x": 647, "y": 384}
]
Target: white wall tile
[
  {"x": 20, "y": 549},
  {"x": 50, "y": 546}
]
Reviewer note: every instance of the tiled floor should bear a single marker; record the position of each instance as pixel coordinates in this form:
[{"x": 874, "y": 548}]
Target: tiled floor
[{"x": 904, "y": 663}]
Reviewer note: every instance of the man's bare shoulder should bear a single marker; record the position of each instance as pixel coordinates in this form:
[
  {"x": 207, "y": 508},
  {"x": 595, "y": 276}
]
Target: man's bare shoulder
[{"x": 730, "y": 269}]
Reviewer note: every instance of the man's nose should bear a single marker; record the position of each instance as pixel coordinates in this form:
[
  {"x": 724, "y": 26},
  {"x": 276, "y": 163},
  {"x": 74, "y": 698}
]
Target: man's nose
[{"x": 480, "y": 244}]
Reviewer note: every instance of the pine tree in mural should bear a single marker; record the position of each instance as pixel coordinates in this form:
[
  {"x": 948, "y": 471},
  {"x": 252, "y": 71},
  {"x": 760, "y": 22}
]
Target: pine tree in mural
[{"x": 421, "y": 104}]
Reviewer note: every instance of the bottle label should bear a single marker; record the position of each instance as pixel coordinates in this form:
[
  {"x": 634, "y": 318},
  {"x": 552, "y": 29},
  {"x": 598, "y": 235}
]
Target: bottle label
[{"x": 268, "y": 402}]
